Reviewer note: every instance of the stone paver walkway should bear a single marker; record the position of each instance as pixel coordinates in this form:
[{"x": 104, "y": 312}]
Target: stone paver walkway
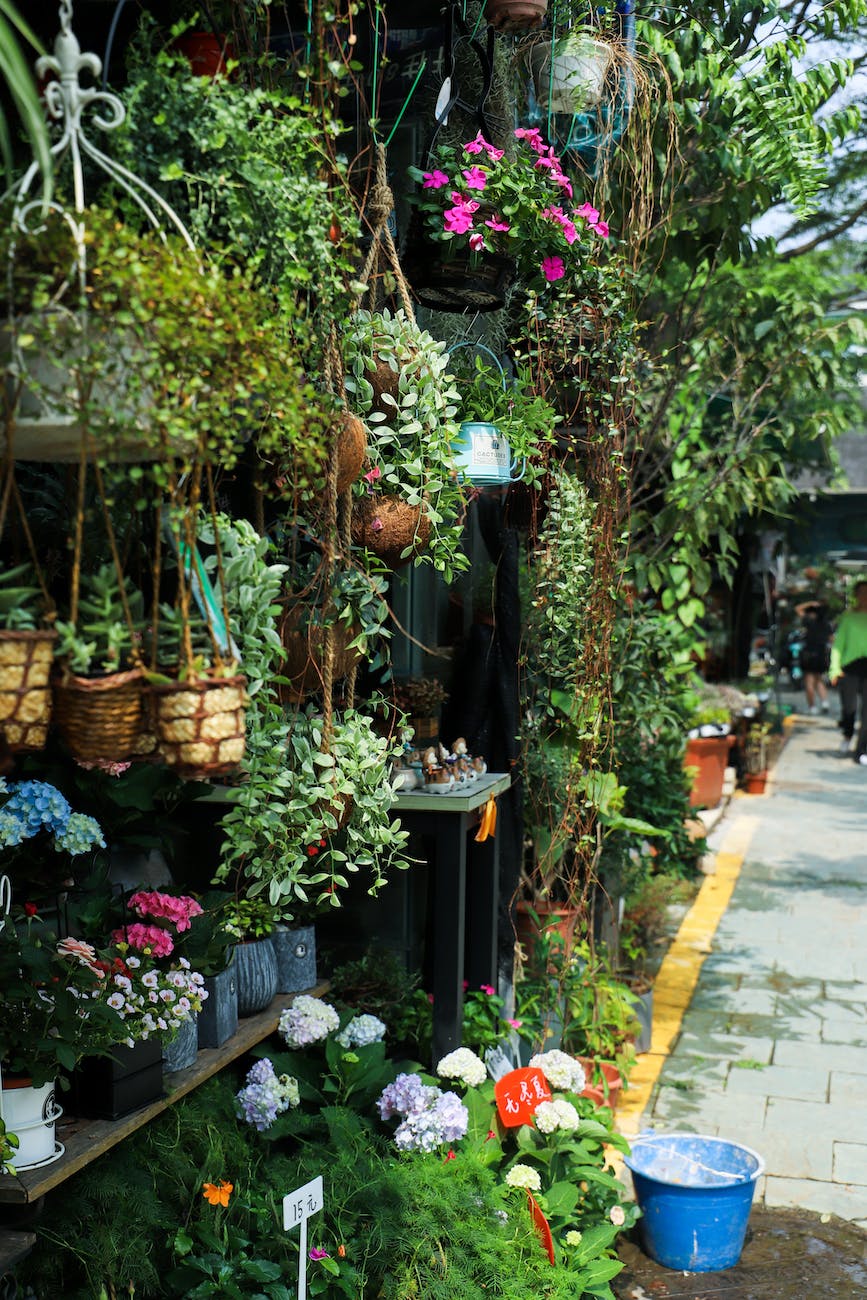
[{"x": 772, "y": 1048}]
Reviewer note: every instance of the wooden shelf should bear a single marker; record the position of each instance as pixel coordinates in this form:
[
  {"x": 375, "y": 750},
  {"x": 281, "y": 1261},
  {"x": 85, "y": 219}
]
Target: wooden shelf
[
  {"x": 87, "y": 1139},
  {"x": 461, "y": 798},
  {"x": 14, "y": 1246}
]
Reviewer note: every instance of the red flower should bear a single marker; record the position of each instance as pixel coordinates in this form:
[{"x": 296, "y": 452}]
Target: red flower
[
  {"x": 30, "y": 909},
  {"x": 450, "y": 1155}
]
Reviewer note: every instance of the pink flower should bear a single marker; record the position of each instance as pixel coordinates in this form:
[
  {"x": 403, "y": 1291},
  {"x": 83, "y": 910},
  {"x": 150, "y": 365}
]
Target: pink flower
[
  {"x": 434, "y": 180},
  {"x": 477, "y": 243},
  {"x": 480, "y": 143},
  {"x": 316, "y": 1252},
  {"x": 544, "y": 161},
  {"x": 459, "y": 219},
  {"x": 588, "y": 212},
  {"x": 376, "y": 526},
  {"x": 145, "y": 938},
  {"x": 532, "y": 136},
  {"x": 601, "y": 228},
  {"x": 515, "y": 1024},
  {"x": 179, "y": 910},
  {"x": 373, "y": 474},
  {"x": 552, "y": 268},
  {"x": 497, "y": 223},
  {"x": 488, "y": 989},
  {"x": 475, "y": 178},
  {"x": 570, "y": 234},
  {"x": 563, "y": 181}
]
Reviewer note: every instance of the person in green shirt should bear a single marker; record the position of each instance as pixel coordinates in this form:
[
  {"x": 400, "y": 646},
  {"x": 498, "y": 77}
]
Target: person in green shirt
[{"x": 849, "y": 668}]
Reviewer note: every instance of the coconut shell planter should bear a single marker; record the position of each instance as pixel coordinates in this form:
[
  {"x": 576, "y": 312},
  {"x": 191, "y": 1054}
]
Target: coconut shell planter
[
  {"x": 25, "y": 697},
  {"x": 305, "y": 654},
  {"x": 100, "y": 718},
  {"x": 389, "y": 526},
  {"x": 200, "y": 725},
  {"x": 351, "y": 450},
  {"x": 515, "y": 15}
]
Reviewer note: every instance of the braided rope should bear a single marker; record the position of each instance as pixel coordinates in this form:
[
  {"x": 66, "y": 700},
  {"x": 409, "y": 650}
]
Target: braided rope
[{"x": 379, "y": 206}]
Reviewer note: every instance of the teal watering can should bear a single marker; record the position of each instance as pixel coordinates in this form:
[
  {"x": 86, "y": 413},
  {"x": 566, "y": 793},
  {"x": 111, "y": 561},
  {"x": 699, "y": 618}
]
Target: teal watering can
[{"x": 482, "y": 454}]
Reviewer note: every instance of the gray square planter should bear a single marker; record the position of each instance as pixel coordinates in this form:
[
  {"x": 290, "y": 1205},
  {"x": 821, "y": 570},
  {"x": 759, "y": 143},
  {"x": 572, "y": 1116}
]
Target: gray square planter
[
  {"x": 296, "y": 958},
  {"x": 218, "y": 1018}
]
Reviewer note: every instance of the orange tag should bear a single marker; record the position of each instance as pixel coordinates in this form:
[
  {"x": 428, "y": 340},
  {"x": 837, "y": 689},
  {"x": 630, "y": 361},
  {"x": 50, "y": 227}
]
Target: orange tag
[
  {"x": 518, "y": 1094},
  {"x": 488, "y": 824},
  {"x": 540, "y": 1223}
]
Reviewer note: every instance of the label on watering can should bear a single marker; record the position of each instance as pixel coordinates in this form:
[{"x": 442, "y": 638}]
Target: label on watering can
[{"x": 490, "y": 452}]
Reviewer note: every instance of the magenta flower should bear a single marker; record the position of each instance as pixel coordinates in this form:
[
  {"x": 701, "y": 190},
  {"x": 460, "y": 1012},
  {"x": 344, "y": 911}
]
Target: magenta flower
[
  {"x": 488, "y": 989},
  {"x": 376, "y": 526},
  {"x": 475, "y": 178},
  {"x": 316, "y": 1252},
  {"x": 588, "y": 212},
  {"x": 459, "y": 219},
  {"x": 553, "y": 268},
  {"x": 480, "y": 143},
  {"x": 516, "y": 1024},
  {"x": 532, "y": 136},
  {"x": 373, "y": 474},
  {"x": 601, "y": 228},
  {"x": 497, "y": 223},
  {"x": 434, "y": 180},
  {"x": 477, "y": 243},
  {"x": 563, "y": 181}
]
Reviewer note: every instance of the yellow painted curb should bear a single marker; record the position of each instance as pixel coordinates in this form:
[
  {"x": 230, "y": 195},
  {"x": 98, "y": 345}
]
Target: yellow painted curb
[{"x": 680, "y": 970}]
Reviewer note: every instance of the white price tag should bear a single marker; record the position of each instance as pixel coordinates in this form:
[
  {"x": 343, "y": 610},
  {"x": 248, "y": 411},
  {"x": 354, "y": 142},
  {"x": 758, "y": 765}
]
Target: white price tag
[{"x": 300, "y": 1204}]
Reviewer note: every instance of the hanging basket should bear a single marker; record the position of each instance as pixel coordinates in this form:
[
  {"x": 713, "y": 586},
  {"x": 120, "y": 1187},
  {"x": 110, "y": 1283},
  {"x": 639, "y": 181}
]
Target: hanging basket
[
  {"x": 25, "y": 697},
  {"x": 305, "y": 654},
  {"x": 351, "y": 450},
  {"x": 465, "y": 281},
  {"x": 515, "y": 15},
  {"x": 569, "y": 75},
  {"x": 389, "y": 526},
  {"x": 99, "y": 717},
  {"x": 200, "y": 725}
]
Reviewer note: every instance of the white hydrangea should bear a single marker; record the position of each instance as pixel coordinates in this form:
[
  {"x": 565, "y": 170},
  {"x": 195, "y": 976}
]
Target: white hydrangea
[
  {"x": 361, "y": 1031},
  {"x": 561, "y": 1070},
  {"x": 307, "y": 1021},
  {"x": 573, "y": 1237},
  {"x": 524, "y": 1176},
  {"x": 463, "y": 1065},
  {"x": 551, "y": 1116}
]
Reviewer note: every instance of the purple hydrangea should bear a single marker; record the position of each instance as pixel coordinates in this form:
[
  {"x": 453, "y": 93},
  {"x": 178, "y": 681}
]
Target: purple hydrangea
[
  {"x": 307, "y": 1021},
  {"x": 429, "y": 1117},
  {"x": 265, "y": 1095},
  {"x": 406, "y": 1096}
]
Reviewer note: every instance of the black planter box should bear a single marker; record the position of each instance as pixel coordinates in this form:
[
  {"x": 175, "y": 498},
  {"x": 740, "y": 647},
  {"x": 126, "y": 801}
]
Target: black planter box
[{"x": 106, "y": 1087}]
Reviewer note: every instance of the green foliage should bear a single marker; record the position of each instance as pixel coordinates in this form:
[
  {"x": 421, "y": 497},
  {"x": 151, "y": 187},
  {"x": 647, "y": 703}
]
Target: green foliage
[
  {"x": 21, "y": 85},
  {"x": 525, "y": 419},
  {"x": 8, "y": 1147},
  {"x": 176, "y": 358},
  {"x": 103, "y": 631},
  {"x": 21, "y": 599},
  {"x": 412, "y": 434},
  {"x": 248, "y": 170}
]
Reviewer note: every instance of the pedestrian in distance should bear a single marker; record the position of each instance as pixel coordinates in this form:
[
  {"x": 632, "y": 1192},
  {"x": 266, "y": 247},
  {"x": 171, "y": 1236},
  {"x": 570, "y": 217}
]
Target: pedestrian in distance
[
  {"x": 849, "y": 670},
  {"x": 815, "y": 653}
]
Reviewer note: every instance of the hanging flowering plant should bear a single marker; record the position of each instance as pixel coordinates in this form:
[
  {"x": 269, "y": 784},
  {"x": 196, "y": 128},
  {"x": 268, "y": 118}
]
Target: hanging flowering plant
[{"x": 523, "y": 208}]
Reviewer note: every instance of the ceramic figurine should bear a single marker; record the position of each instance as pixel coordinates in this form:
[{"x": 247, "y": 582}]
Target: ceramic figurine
[
  {"x": 442, "y": 778},
  {"x": 480, "y": 765}
]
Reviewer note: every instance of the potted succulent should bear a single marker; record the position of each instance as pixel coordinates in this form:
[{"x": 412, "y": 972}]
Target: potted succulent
[
  {"x": 409, "y": 505},
  {"x": 26, "y": 654},
  {"x": 421, "y": 699},
  {"x": 99, "y": 682},
  {"x": 483, "y": 207}
]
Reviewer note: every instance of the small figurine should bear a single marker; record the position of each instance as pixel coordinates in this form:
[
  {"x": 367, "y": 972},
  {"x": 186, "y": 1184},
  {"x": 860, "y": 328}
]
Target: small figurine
[{"x": 480, "y": 765}]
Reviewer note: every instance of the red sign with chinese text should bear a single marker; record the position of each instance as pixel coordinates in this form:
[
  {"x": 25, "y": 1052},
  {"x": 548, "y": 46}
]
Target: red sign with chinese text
[{"x": 518, "y": 1094}]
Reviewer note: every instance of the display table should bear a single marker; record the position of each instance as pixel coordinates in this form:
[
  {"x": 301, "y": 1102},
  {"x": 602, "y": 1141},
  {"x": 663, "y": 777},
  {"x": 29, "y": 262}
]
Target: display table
[{"x": 465, "y": 894}]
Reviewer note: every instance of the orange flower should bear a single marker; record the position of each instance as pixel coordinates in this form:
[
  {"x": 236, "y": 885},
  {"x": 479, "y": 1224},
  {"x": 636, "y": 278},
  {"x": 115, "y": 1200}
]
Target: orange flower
[
  {"x": 215, "y": 1195},
  {"x": 341, "y": 1252}
]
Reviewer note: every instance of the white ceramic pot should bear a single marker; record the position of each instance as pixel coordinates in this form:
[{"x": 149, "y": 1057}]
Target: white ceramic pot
[
  {"x": 571, "y": 77},
  {"x": 30, "y": 1114}
]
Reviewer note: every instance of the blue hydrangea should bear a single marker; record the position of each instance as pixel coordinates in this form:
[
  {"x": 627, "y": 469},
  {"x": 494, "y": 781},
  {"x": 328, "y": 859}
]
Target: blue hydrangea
[
  {"x": 35, "y": 806},
  {"x": 265, "y": 1095},
  {"x": 361, "y": 1032}
]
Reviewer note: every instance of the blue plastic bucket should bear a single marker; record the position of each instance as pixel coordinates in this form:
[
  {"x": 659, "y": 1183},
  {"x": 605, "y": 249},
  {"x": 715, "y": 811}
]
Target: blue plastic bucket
[{"x": 695, "y": 1195}]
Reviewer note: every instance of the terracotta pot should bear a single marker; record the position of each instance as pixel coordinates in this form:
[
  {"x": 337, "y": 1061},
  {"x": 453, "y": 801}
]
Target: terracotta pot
[
  {"x": 351, "y": 450},
  {"x": 755, "y": 782},
  {"x": 515, "y": 15},
  {"x": 709, "y": 754},
  {"x": 205, "y": 53},
  {"x": 388, "y": 526},
  {"x": 604, "y": 1082},
  {"x": 554, "y": 919}
]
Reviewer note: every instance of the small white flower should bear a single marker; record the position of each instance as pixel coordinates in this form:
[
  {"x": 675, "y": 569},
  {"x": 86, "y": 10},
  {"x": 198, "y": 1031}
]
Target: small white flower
[
  {"x": 617, "y": 1215},
  {"x": 168, "y": 995},
  {"x": 568, "y": 1118},
  {"x": 133, "y": 962},
  {"x": 561, "y": 1070},
  {"x": 546, "y": 1118},
  {"x": 573, "y": 1237},
  {"x": 464, "y": 1065},
  {"x": 150, "y": 979},
  {"x": 524, "y": 1176},
  {"x": 117, "y": 1001}
]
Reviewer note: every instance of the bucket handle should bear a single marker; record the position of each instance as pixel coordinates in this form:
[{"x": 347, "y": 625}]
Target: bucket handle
[{"x": 483, "y": 347}]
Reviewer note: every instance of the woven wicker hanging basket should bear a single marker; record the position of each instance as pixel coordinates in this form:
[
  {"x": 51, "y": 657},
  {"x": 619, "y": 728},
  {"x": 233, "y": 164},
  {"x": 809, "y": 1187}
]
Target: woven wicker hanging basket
[
  {"x": 25, "y": 696},
  {"x": 200, "y": 725},
  {"x": 99, "y": 718},
  {"x": 389, "y": 526}
]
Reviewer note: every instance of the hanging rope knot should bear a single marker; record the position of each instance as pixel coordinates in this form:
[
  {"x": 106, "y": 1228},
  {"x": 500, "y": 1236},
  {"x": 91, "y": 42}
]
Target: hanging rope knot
[{"x": 379, "y": 205}]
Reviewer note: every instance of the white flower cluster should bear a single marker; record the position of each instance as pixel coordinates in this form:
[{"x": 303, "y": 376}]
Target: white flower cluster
[
  {"x": 551, "y": 1116},
  {"x": 464, "y": 1066},
  {"x": 524, "y": 1176},
  {"x": 561, "y": 1070},
  {"x": 307, "y": 1021},
  {"x": 361, "y": 1032}
]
